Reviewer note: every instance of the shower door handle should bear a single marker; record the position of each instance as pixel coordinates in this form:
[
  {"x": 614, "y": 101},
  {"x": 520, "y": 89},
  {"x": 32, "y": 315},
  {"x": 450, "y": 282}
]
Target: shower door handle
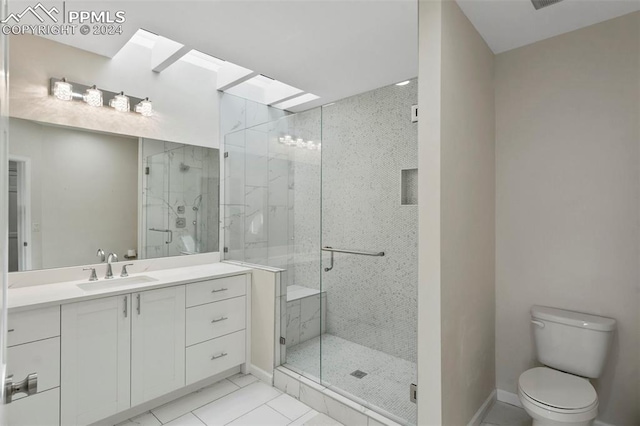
[
  {"x": 358, "y": 252},
  {"x": 169, "y": 231}
]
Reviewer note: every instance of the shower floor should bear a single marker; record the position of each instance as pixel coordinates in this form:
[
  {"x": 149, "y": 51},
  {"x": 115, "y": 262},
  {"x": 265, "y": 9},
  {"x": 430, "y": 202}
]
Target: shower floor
[{"x": 386, "y": 384}]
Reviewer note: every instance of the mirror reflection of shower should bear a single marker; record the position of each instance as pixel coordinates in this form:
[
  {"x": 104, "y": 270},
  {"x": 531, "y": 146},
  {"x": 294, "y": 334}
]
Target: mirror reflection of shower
[
  {"x": 196, "y": 209},
  {"x": 181, "y": 187}
]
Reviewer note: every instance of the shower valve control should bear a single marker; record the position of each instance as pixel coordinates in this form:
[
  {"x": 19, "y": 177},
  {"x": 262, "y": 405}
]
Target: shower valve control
[{"x": 181, "y": 222}]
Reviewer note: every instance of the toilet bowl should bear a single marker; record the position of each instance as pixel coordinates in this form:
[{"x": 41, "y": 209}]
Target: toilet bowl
[
  {"x": 554, "y": 398},
  {"x": 573, "y": 346}
]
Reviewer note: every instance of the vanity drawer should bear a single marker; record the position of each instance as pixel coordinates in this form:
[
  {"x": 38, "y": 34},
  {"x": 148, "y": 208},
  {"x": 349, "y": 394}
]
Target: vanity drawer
[
  {"x": 41, "y": 409},
  {"x": 200, "y": 364},
  {"x": 29, "y": 326},
  {"x": 216, "y": 319},
  {"x": 214, "y": 290},
  {"x": 41, "y": 357}
]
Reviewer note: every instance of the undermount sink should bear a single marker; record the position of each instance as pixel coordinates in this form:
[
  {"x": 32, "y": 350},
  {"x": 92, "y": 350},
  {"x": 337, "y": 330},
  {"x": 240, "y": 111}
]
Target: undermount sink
[{"x": 115, "y": 282}]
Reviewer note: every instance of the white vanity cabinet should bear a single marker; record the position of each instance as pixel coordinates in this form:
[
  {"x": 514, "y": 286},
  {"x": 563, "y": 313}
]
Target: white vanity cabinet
[
  {"x": 34, "y": 347},
  {"x": 96, "y": 359},
  {"x": 216, "y": 323},
  {"x": 121, "y": 351},
  {"x": 157, "y": 343},
  {"x": 99, "y": 357}
]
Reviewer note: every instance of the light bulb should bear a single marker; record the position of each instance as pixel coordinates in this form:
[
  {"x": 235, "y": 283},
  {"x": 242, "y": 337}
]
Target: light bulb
[
  {"x": 300, "y": 143},
  {"x": 145, "y": 108},
  {"x": 311, "y": 145},
  {"x": 63, "y": 90},
  {"x": 120, "y": 103},
  {"x": 93, "y": 97}
]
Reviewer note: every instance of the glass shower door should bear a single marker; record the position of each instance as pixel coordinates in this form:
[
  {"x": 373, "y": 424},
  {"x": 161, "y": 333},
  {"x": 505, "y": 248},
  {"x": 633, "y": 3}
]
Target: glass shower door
[{"x": 369, "y": 239}]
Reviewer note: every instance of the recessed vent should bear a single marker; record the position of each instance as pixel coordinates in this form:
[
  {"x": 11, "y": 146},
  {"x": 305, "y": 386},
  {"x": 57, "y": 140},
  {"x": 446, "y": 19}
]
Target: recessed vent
[{"x": 539, "y": 4}]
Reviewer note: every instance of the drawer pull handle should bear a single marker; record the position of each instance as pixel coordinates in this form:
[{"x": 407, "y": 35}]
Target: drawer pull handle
[
  {"x": 219, "y": 319},
  {"x": 219, "y": 356},
  {"x": 27, "y": 386},
  {"x": 11, "y": 330},
  {"x": 219, "y": 290}
]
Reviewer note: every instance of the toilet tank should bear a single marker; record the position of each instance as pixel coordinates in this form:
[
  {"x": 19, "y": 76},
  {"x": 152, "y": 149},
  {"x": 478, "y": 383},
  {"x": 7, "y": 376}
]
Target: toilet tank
[{"x": 572, "y": 342}]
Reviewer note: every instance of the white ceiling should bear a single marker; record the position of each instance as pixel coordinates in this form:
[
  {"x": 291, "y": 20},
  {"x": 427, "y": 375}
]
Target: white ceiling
[
  {"x": 507, "y": 24},
  {"x": 332, "y": 49}
]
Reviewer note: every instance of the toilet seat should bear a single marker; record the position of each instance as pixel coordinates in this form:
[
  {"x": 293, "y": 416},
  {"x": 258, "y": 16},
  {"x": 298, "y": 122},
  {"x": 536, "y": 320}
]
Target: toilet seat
[{"x": 557, "y": 391}]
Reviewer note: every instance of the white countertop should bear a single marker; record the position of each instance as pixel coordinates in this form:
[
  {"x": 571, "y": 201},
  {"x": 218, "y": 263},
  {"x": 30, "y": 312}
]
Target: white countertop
[{"x": 66, "y": 292}]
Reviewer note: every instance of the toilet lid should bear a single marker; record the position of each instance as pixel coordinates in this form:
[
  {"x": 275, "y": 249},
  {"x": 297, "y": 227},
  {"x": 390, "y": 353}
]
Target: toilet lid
[{"x": 557, "y": 389}]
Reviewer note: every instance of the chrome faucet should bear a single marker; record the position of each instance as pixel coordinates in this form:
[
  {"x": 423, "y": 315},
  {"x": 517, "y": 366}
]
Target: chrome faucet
[
  {"x": 100, "y": 254},
  {"x": 93, "y": 276},
  {"x": 109, "y": 271}
]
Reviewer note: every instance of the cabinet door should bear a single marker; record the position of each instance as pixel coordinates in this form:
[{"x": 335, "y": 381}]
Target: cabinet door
[
  {"x": 95, "y": 358},
  {"x": 38, "y": 410},
  {"x": 158, "y": 343}
]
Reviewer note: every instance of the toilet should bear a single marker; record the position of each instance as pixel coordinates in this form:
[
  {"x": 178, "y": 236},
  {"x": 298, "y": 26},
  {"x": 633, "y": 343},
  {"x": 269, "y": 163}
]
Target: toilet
[{"x": 573, "y": 346}]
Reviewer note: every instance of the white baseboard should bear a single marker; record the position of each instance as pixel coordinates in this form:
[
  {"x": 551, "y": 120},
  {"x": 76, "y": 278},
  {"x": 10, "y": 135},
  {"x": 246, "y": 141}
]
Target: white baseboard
[
  {"x": 261, "y": 374},
  {"x": 509, "y": 398},
  {"x": 483, "y": 410}
]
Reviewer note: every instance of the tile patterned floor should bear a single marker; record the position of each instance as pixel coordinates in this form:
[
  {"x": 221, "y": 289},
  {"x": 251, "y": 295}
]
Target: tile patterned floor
[
  {"x": 502, "y": 414},
  {"x": 386, "y": 384},
  {"x": 240, "y": 400}
]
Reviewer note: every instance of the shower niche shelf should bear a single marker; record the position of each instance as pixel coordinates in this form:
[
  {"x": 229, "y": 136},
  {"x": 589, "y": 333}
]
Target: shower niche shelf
[{"x": 409, "y": 187}]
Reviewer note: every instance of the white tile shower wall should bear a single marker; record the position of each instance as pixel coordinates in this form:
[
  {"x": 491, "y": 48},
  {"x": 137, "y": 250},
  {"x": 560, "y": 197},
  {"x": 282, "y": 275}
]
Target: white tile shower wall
[
  {"x": 367, "y": 141},
  {"x": 305, "y": 318}
]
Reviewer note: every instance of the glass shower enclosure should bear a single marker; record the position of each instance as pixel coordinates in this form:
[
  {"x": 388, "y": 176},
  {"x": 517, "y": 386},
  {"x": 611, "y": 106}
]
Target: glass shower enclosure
[{"x": 330, "y": 196}]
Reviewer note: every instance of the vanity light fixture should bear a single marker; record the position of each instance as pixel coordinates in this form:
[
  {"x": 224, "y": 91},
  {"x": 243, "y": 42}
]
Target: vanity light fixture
[
  {"x": 63, "y": 90},
  {"x": 120, "y": 102},
  {"x": 60, "y": 88},
  {"x": 145, "y": 107},
  {"x": 93, "y": 96}
]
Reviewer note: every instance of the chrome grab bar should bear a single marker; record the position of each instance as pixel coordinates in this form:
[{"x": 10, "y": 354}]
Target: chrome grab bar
[
  {"x": 358, "y": 252},
  {"x": 164, "y": 230}
]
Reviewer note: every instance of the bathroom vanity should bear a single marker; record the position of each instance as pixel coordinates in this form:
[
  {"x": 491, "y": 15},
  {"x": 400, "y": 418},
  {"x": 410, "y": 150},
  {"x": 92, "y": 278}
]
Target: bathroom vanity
[{"x": 100, "y": 348}]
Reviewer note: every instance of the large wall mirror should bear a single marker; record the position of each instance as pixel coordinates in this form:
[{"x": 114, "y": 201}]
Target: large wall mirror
[{"x": 73, "y": 192}]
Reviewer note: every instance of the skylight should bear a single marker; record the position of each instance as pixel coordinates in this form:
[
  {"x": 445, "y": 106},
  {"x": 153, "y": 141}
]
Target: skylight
[
  {"x": 299, "y": 100},
  {"x": 195, "y": 57},
  {"x": 231, "y": 78},
  {"x": 144, "y": 38}
]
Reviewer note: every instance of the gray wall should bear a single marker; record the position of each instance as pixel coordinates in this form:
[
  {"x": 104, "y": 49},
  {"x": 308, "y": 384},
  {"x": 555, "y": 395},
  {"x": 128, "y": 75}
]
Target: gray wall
[
  {"x": 467, "y": 226},
  {"x": 568, "y": 197}
]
